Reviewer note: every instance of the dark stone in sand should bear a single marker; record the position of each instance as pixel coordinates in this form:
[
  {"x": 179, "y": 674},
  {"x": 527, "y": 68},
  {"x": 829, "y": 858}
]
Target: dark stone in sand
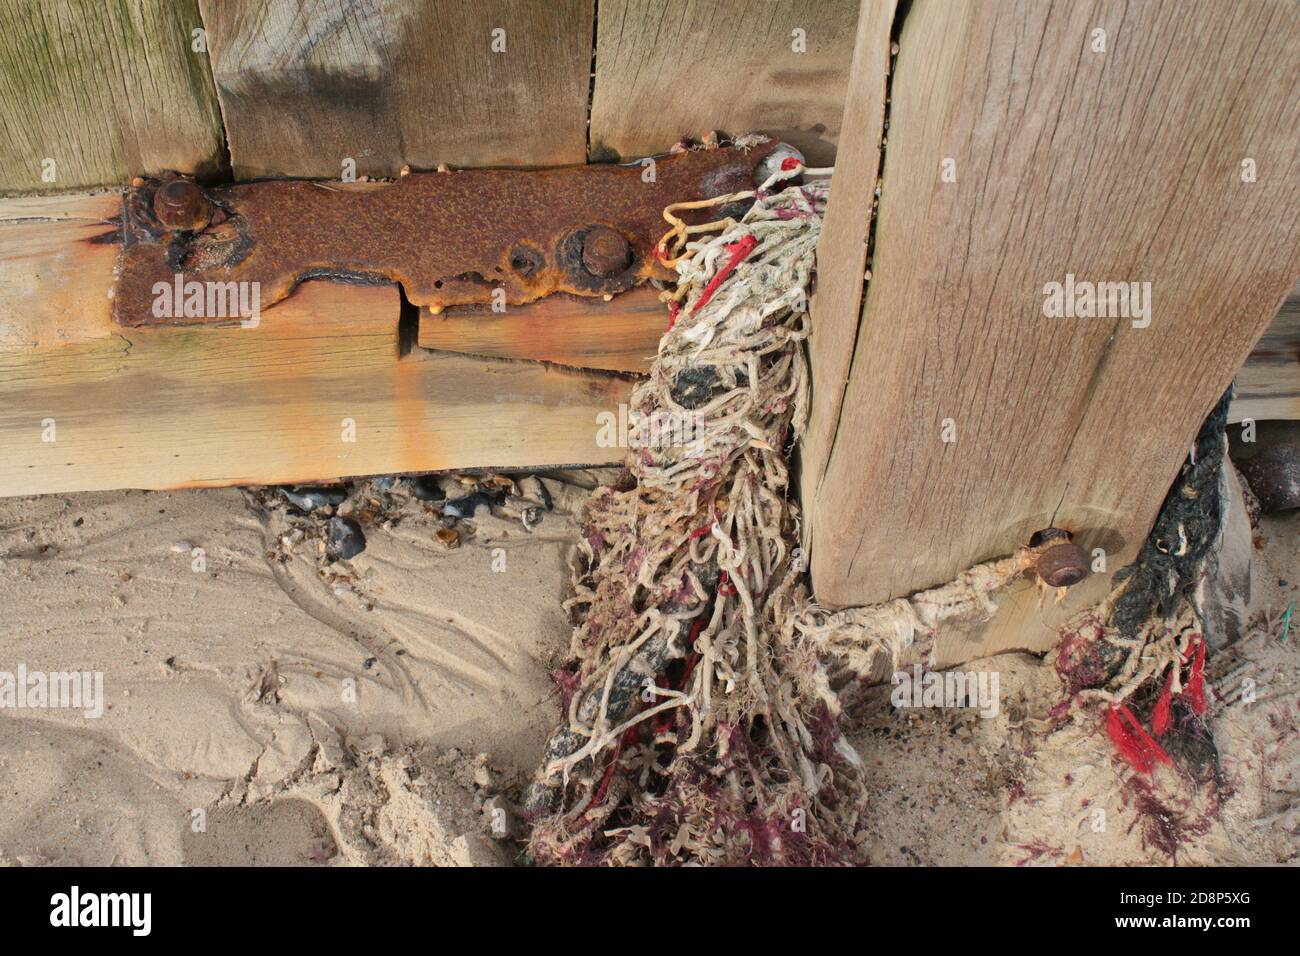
[
  {"x": 1271, "y": 464},
  {"x": 545, "y": 493},
  {"x": 426, "y": 488},
  {"x": 344, "y": 538},
  {"x": 465, "y": 507}
]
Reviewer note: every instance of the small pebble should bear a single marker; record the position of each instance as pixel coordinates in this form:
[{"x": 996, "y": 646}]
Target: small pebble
[
  {"x": 310, "y": 499},
  {"x": 426, "y": 488},
  {"x": 344, "y": 538},
  {"x": 465, "y": 507},
  {"x": 182, "y": 547}
]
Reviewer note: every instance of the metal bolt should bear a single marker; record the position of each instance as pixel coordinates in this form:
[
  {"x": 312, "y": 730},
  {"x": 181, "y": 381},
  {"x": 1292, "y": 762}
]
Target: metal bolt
[
  {"x": 179, "y": 204},
  {"x": 1063, "y": 564},
  {"x": 605, "y": 252}
]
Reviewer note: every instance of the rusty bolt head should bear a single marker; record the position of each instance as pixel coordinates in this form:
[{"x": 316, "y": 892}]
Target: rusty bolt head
[
  {"x": 1063, "y": 564},
  {"x": 605, "y": 252},
  {"x": 179, "y": 204}
]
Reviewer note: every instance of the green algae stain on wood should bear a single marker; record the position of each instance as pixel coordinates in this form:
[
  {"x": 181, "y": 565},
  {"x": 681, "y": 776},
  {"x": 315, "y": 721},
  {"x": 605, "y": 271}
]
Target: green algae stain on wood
[{"x": 93, "y": 92}]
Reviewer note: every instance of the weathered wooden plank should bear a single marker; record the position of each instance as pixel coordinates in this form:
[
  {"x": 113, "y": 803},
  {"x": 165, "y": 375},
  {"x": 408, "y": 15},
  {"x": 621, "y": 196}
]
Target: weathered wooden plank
[
  {"x": 316, "y": 391},
  {"x": 1117, "y": 166},
  {"x": 1268, "y": 386},
  {"x": 94, "y": 92},
  {"x": 87, "y": 405},
  {"x": 665, "y": 70},
  {"x": 55, "y": 276},
  {"x": 621, "y": 335},
  {"x": 307, "y": 84}
]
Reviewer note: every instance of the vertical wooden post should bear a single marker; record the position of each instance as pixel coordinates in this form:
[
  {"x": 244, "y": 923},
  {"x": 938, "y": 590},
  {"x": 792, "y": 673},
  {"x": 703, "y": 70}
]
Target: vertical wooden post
[{"x": 1032, "y": 150}]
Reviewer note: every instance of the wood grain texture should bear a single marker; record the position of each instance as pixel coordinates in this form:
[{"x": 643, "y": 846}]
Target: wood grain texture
[
  {"x": 1115, "y": 166},
  {"x": 168, "y": 408},
  {"x": 842, "y": 250},
  {"x": 621, "y": 335},
  {"x": 107, "y": 89},
  {"x": 305, "y": 84},
  {"x": 55, "y": 276},
  {"x": 678, "y": 68},
  {"x": 1268, "y": 386}
]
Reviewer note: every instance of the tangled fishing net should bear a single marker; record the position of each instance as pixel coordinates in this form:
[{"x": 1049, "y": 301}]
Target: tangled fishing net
[
  {"x": 693, "y": 716},
  {"x": 701, "y": 705},
  {"x": 701, "y": 716}
]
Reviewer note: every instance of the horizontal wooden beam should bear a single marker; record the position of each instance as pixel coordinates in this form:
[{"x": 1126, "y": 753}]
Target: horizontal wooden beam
[
  {"x": 1268, "y": 385},
  {"x": 320, "y": 388},
  {"x": 316, "y": 391},
  {"x": 173, "y": 407}
]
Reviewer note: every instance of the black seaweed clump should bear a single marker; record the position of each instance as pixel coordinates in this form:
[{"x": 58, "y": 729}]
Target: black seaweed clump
[{"x": 1161, "y": 579}]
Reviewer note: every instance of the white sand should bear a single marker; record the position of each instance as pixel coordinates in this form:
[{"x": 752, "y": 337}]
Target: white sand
[
  {"x": 227, "y": 704},
  {"x": 225, "y": 687}
]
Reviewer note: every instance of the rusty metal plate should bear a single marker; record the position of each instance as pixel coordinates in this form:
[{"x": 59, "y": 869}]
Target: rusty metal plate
[{"x": 449, "y": 238}]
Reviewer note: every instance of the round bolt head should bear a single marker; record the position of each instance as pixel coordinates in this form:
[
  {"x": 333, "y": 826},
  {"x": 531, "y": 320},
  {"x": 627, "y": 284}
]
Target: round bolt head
[
  {"x": 179, "y": 204},
  {"x": 605, "y": 252},
  {"x": 1063, "y": 565}
]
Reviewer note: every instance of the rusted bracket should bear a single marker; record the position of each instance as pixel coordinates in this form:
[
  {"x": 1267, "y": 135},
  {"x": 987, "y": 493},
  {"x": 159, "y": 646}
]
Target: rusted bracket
[{"x": 449, "y": 238}]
